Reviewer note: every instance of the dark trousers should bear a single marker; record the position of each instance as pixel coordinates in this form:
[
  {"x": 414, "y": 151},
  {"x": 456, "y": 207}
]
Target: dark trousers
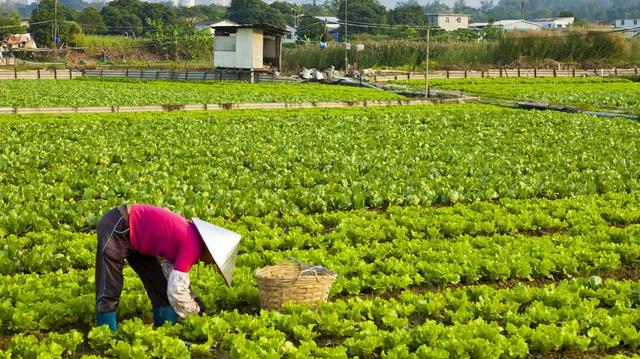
[{"x": 113, "y": 248}]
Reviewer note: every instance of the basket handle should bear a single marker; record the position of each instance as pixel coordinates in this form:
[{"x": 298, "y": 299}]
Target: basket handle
[{"x": 315, "y": 273}]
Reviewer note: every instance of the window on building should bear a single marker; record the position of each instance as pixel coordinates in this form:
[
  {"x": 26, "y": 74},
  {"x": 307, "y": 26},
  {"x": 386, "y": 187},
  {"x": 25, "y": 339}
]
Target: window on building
[
  {"x": 635, "y": 22},
  {"x": 446, "y": 20},
  {"x": 459, "y": 20},
  {"x": 622, "y": 22}
]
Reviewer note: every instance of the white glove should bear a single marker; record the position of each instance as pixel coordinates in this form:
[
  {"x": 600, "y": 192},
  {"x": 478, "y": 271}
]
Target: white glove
[
  {"x": 180, "y": 295},
  {"x": 167, "y": 267}
]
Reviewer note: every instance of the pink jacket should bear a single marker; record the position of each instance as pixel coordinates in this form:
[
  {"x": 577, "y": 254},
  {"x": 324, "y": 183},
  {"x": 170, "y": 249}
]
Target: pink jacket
[{"x": 156, "y": 231}]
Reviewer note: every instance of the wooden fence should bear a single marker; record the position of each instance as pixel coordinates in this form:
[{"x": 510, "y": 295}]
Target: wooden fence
[
  {"x": 55, "y": 74},
  {"x": 493, "y": 73},
  {"x": 215, "y": 75},
  {"x": 7, "y": 61},
  {"x": 188, "y": 75},
  {"x": 148, "y": 74}
]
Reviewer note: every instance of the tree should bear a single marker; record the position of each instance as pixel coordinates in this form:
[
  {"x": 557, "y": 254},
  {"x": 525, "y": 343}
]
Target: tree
[
  {"x": 369, "y": 14},
  {"x": 120, "y": 21},
  {"x": 91, "y": 21},
  {"x": 179, "y": 41},
  {"x": 409, "y": 13},
  {"x": 328, "y": 8},
  {"x": 437, "y": 7},
  {"x": 42, "y": 27},
  {"x": 156, "y": 11},
  {"x": 273, "y": 17},
  {"x": 459, "y": 6},
  {"x": 212, "y": 12},
  {"x": 486, "y": 5},
  {"x": 287, "y": 10},
  {"x": 247, "y": 11},
  {"x": 311, "y": 28},
  {"x": 10, "y": 19},
  {"x": 566, "y": 13},
  {"x": 201, "y": 12},
  {"x": 130, "y": 10}
]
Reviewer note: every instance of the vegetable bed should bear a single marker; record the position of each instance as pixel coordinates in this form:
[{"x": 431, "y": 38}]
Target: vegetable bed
[
  {"x": 588, "y": 93},
  {"x": 95, "y": 92},
  {"x": 456, "y": 231}
]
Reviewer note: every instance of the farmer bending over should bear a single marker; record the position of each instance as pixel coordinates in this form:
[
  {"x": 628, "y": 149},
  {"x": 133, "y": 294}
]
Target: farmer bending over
[{"x": 140, "y": 233}]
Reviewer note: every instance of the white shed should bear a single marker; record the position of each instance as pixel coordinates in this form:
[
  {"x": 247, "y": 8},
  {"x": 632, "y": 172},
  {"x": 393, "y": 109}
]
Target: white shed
[
  {"x": 555, "y": 22},
  {"x": 508, "y": 25},
  {"x": 252, "y": 47}
]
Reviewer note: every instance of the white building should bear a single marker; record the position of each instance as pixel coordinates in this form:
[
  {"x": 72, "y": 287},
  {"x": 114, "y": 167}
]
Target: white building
[
  {"x": 508, "y": 25},
  {"x": 449, "y": 22},
  {"x": 555, "y": 22},
  {"x": 246, "y": 46},
  {"x": 631, "y": 26},
  {"x": 332, "y": 23},
  {"x": 291, "y": 35}
]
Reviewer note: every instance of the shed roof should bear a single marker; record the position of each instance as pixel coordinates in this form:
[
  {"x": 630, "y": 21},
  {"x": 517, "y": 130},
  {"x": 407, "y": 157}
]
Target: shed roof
[
  {"x": 504, "y": 23},
  {"x": 228, "y": 24}
]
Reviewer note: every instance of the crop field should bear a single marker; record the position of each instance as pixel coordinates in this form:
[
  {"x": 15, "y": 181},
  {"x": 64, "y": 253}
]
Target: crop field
[
  {"x": 588, "y": 93},
  {"x": 127, "y": 92},
  {"x": 457, "y": 231}
]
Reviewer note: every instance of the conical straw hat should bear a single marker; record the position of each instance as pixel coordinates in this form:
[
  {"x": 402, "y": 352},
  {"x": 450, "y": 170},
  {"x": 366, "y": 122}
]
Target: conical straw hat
[{"x": 222, "y": 244}]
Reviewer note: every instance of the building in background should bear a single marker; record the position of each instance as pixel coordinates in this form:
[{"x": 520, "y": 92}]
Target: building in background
[
  {"x": 332, "y": 24},
  {"x": 631, "y": 27},
  {"x": 291, "y": 36},
  {"x": 555, "y": 22},
  {"x": 449, "y": 22},
  {"x": 507, "y": 25}
]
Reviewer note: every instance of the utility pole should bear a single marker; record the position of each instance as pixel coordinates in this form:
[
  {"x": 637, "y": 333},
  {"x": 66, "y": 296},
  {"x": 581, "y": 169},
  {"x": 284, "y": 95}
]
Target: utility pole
[
  {"x": 55, "y": 24},
  {"x": 522, "y": 9},
  {"x": 346, "y": 43},
  {"x": 426, "y": 72}
]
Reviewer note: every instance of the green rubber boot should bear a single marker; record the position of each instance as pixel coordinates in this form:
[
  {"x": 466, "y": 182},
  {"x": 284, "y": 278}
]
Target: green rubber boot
[
  {"x": 164, "y": 314},
  {"x": 108, "y": 318}
]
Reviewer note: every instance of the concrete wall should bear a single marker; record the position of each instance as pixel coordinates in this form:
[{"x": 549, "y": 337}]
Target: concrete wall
[
  {"x": 257, "y": 40},
  {"x": 248, "y": 46},
  {"x": 224, "y": 51}
]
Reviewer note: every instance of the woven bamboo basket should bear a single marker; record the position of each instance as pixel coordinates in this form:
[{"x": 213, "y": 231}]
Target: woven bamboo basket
[{"x": 285, "y": 282}]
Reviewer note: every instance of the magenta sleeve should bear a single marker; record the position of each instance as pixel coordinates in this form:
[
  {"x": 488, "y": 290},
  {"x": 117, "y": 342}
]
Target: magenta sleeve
[{"x": 188, "y": 255}]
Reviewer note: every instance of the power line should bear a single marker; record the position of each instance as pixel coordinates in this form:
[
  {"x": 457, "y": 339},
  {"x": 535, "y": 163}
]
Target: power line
[
  {"x": 425, "y": 27},
  {"x": 34, "y": 23}
]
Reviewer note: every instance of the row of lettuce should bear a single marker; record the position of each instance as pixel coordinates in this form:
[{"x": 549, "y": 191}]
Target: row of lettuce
[
  {"x": 569, "y": 217},
  {"x": 67, "y": 170},
  {"x": 375, "y": 253},
  {"x": 85, "y": 93},
  {"x": 616, "y": 94},
  {"x": 587, "y": 315}
]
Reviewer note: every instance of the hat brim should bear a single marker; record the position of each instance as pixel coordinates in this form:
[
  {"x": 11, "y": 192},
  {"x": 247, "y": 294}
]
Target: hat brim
[{"x": 221, "y": 247}]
